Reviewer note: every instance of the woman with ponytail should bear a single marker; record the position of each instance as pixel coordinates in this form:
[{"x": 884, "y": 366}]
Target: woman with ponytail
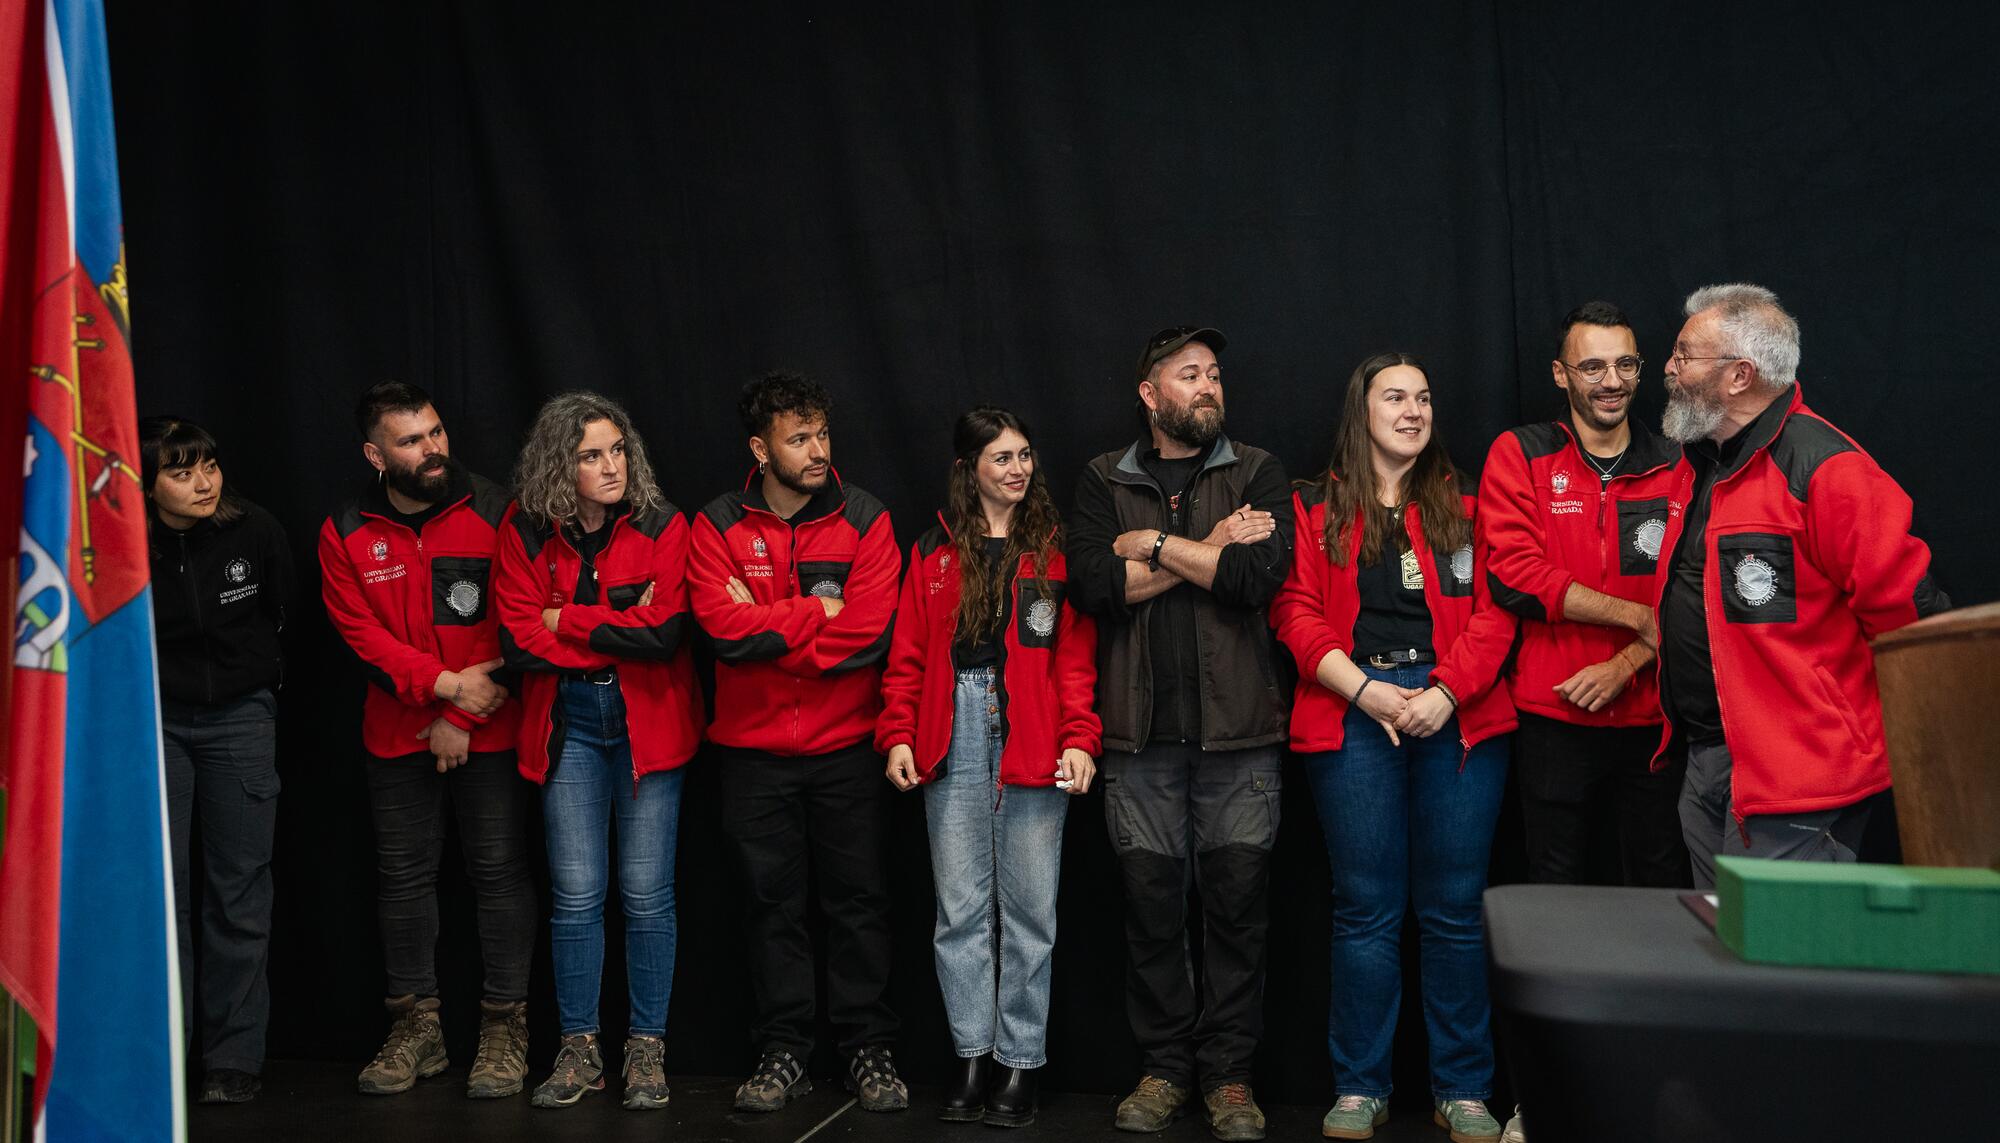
[{"x": 987, "y": 705}]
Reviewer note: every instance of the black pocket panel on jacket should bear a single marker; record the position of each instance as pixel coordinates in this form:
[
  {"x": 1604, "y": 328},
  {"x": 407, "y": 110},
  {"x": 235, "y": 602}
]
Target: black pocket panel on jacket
[
  {"x": 1758, "y": 580},
  {"x": 1037, "y": 615},
  {"x": 458, "y": 590},
  {"x": 827, "y": 580},
  {"x": 1642, "y": 528}
]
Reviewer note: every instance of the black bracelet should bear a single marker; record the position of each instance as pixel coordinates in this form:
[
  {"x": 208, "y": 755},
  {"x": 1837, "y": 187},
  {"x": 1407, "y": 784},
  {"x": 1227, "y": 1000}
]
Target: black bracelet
[
  {"x": 1159, "y": 541},
  {"x": 1448, "y": 696},
  {"x": 1356, "y": 700}
]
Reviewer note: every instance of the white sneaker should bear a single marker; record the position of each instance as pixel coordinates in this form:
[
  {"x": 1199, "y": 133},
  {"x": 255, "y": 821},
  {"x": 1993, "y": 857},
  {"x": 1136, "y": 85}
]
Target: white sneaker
[{"x": 1515, "y": 1133}]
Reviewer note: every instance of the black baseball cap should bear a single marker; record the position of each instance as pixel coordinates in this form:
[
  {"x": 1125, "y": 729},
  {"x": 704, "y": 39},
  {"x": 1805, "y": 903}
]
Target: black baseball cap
[{"x": 1169, "y": 341}]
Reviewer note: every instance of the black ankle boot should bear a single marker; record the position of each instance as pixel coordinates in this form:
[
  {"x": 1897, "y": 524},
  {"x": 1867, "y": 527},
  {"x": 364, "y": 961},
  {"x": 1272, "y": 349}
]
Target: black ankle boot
[
  {"x": 965, "y": 1090},
  {"x": 1010, "y": 1098}
]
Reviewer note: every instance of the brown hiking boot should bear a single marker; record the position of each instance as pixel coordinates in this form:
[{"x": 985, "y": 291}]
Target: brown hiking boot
[
  {"x": 413, "y": 1051},
  {"x": 1151, "y": 1106},
  {"x": 501, "y": 1064},
  {"x": 1233, "y": 1114}
]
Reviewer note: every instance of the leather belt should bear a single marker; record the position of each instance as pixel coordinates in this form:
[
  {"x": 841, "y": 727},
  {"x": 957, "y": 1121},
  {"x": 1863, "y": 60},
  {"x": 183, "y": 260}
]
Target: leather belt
[
  {"x": 1390, "y": 660},
  {"x": 602, "y": 677}
]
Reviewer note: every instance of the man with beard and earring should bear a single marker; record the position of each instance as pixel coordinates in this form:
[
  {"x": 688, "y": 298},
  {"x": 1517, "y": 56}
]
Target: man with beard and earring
[
  {"x": 1177, "y": 545},
  {"x": 794, "y": 579},
  {"x": 407, "y": 569},
  {"x": 1571, "y": 516},
  {"x": 1791, "y": 550}
]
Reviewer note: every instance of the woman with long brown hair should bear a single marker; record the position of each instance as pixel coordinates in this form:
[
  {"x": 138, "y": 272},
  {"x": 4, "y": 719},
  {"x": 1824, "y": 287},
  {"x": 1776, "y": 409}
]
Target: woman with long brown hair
[
  {"x": 1397, "y": 712},
  {"x": 987, "y": 705}
]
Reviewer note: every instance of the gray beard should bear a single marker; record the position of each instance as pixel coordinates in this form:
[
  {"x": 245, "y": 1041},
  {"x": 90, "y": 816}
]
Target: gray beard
[
  {"x": 1184, "y": 425},
  {"x": 1690, "y": 419}
]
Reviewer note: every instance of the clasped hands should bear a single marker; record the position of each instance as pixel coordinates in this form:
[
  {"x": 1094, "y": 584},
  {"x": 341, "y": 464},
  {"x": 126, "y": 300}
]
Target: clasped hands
[
  {"x": 1074, "y": 769},
  {"x": 471, "y": 690},
  {"x": 1417, "y": 713}
]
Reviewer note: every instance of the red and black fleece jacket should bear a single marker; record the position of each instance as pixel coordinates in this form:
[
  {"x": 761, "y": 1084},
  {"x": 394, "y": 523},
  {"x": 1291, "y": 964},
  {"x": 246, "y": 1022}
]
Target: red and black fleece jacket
[
  {"x": 1547, "y": 521},
  {"x": 415, "y": 604},
  {"x": 789, "y": 681},
  {"x": 648, "y": 643},
  {"x": 1315, "y": 611},
  {"x": 1048, "y": 667},
  {"x": 1809, "y": 556}
]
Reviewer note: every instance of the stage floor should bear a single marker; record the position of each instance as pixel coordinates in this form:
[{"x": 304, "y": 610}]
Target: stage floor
[{"x": 316, "y": 1101}]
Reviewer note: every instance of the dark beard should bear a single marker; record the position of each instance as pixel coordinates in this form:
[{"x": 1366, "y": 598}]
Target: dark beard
[
  {"x": 1185, "y": 424},
  {"x": 795, "y": 479},
  {"x": 1580, "y": 404},
  {"x": 425, "y": 488}
]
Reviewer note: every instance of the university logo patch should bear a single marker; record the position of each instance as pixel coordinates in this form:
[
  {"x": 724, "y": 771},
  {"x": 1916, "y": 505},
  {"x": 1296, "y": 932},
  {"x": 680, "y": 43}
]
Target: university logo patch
[
  {"x": 758, "y": 547},
  {"x": 827, "y": 589},
  {"x": 1559, "y": 482},
  {"x": 1756, "y": 582},
  {"x": 463, "y": 597},
  {"x": 1461, "y": 565},
  {"x": 237, "y": 570},
  {"x": 1042, "y": 618},
  {"x": 1648, "y": 537},
  {"x": 380, "y": 550}
]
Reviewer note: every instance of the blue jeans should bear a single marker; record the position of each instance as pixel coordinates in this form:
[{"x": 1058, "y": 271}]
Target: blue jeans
[
  {"x": 995, "y": 855},
  {"x": 1408, "y": 825},
  {"x": 590, "y": 784}
]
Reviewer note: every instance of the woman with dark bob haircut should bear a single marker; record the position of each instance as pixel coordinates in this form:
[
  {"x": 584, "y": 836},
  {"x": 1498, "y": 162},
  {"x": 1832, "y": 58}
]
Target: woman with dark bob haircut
[
  {"x": 222, "y": 578},
  {"x": 592, "y": 596},
  {"x": 1399, "y": 714},
  {"x": 987, "y": 705}
]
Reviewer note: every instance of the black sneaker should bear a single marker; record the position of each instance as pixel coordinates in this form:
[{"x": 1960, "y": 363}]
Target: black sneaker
[
  {"x": 227, "y": 1085},
  {"x": 779, "y": 1079},
  {"x": 871, "y": 1076}
]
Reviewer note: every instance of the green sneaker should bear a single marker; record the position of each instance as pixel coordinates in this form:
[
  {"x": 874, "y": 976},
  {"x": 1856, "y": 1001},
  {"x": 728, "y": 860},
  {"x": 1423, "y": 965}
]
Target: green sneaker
[
  {"x": 578, "y": 1069},
  {"x": 1354, "y": 1117},
  {"x": 1467, "y": 1120}
]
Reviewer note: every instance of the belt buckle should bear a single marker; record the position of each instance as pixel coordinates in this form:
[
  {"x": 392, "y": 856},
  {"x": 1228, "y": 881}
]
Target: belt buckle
[
  {"x": 1381, "y": 662},
  {"x": 610, "y": 675}
]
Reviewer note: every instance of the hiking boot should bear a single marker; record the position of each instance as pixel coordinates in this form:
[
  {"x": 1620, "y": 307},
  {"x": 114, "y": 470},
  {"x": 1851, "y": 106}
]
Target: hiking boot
[
  {"x": 413, "y": 1051},
  {"x": 645, "y": 1073},
  {"x": 871, "y": 1076},
  {"x": 1233, "y": 1114},
  {"x": 229, "y": 1085},
  {"x": 1467, "y": 1120},
  {"x": 578, "y": 1069},
  {"x": 1515, "y": 1133},
  {"x": 1151, "y": 1106},
  {"x": 779, "y": 1079},
  {"x": 501, "y": 1064},
  {"x": 1354, "y": 1117}
]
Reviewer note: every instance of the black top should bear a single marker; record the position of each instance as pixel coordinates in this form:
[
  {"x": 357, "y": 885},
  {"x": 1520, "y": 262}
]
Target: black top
[
  {"x": 219, "y": 598},
  {"x": 1175, "y": 661},
  {"x": 415, "y": 521},
  {"x": 590, "y": 545},
  {"x": 986, "y": 652},
  {"x": 1394, "y": 615},
  {"x": 1687, "y": 670},
  {"x": 1598, "y": 464}
]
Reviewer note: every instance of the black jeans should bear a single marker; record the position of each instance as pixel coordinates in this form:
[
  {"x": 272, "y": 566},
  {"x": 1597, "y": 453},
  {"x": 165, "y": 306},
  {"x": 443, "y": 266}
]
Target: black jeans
[
  {"x": 225, "y": 757},
  {"x": 408, "y": 796},
  {"x": 831, "y": 809},
  {"x": 1161, "y": 804},
  {"x": 1576, "y": 779}
]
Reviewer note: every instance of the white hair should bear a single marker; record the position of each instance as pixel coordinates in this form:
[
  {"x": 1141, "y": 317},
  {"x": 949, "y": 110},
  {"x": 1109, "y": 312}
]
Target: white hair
[{"x": 1754, "y": 327}]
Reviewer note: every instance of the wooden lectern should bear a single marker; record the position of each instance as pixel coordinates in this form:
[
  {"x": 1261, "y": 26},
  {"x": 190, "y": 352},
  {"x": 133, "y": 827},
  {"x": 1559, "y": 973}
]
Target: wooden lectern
[{"x": 1940, "y": 680}]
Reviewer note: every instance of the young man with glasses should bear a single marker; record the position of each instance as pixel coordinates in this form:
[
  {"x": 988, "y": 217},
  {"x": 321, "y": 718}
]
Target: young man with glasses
[
  {"x": 1789, "y": 550},
  {"x": 1572, "y": 513},
  {"x": 1177, "y": 545}
]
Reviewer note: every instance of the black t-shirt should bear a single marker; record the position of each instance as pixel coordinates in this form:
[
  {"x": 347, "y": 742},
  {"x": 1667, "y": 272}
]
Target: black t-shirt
[
  {"x": 415, "y": 521},
  {"x": 1171, "y": 638},
  {"x": 1394, "y": 615},
  {"x": 589, "y": 545},
  {"x": 1598, "y": 464},
  {"x": 1687, "y": 669},
  {"x": 966, "y": 655}
]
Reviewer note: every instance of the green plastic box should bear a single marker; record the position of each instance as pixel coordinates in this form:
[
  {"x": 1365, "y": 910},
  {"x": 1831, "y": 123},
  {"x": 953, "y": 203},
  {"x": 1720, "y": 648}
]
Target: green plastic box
[{"x": 1902, "y": 917}]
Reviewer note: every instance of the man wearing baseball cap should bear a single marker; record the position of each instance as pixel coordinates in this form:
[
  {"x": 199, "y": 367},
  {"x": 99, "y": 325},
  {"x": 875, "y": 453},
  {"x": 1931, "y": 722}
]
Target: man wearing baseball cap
[{"x": 1176, "y": 546}]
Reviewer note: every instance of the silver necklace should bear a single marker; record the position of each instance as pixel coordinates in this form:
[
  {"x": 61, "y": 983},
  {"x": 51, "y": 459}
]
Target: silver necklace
[{"x": 1604, "y": 471}]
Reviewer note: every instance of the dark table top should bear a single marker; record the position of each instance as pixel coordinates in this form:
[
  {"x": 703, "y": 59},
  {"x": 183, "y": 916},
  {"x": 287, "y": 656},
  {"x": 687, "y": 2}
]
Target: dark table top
[{"x": 1639, "y": 957}]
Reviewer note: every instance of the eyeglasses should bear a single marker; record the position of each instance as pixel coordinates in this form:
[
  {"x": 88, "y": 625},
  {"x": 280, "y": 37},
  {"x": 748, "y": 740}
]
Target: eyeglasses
[
  {"x": 1594, "y": 369},
  {"x": 1684, "y": 357}
]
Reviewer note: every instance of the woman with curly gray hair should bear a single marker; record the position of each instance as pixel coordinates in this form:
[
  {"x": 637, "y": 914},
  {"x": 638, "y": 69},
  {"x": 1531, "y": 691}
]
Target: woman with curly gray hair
[{"x": 592, "y": 594}]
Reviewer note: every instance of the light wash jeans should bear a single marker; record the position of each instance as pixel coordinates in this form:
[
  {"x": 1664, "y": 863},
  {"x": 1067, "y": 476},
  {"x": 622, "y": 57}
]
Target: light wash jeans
[
  {"x": 590, "y": 785},
  {"x": 996, "y": 853}
]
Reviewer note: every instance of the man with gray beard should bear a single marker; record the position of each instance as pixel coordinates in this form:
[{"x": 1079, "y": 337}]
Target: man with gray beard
[
  {"x": 1177, "y": 544},
  {"x": 1791, "y": 550}
]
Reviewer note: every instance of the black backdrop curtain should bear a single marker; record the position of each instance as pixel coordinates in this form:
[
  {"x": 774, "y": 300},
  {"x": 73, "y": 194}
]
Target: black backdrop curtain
[{"x": 933, "y": 205}]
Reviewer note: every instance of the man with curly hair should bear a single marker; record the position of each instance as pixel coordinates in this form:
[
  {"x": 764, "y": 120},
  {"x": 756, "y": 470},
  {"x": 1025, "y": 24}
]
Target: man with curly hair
[{"x": 794, "y": 577}]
